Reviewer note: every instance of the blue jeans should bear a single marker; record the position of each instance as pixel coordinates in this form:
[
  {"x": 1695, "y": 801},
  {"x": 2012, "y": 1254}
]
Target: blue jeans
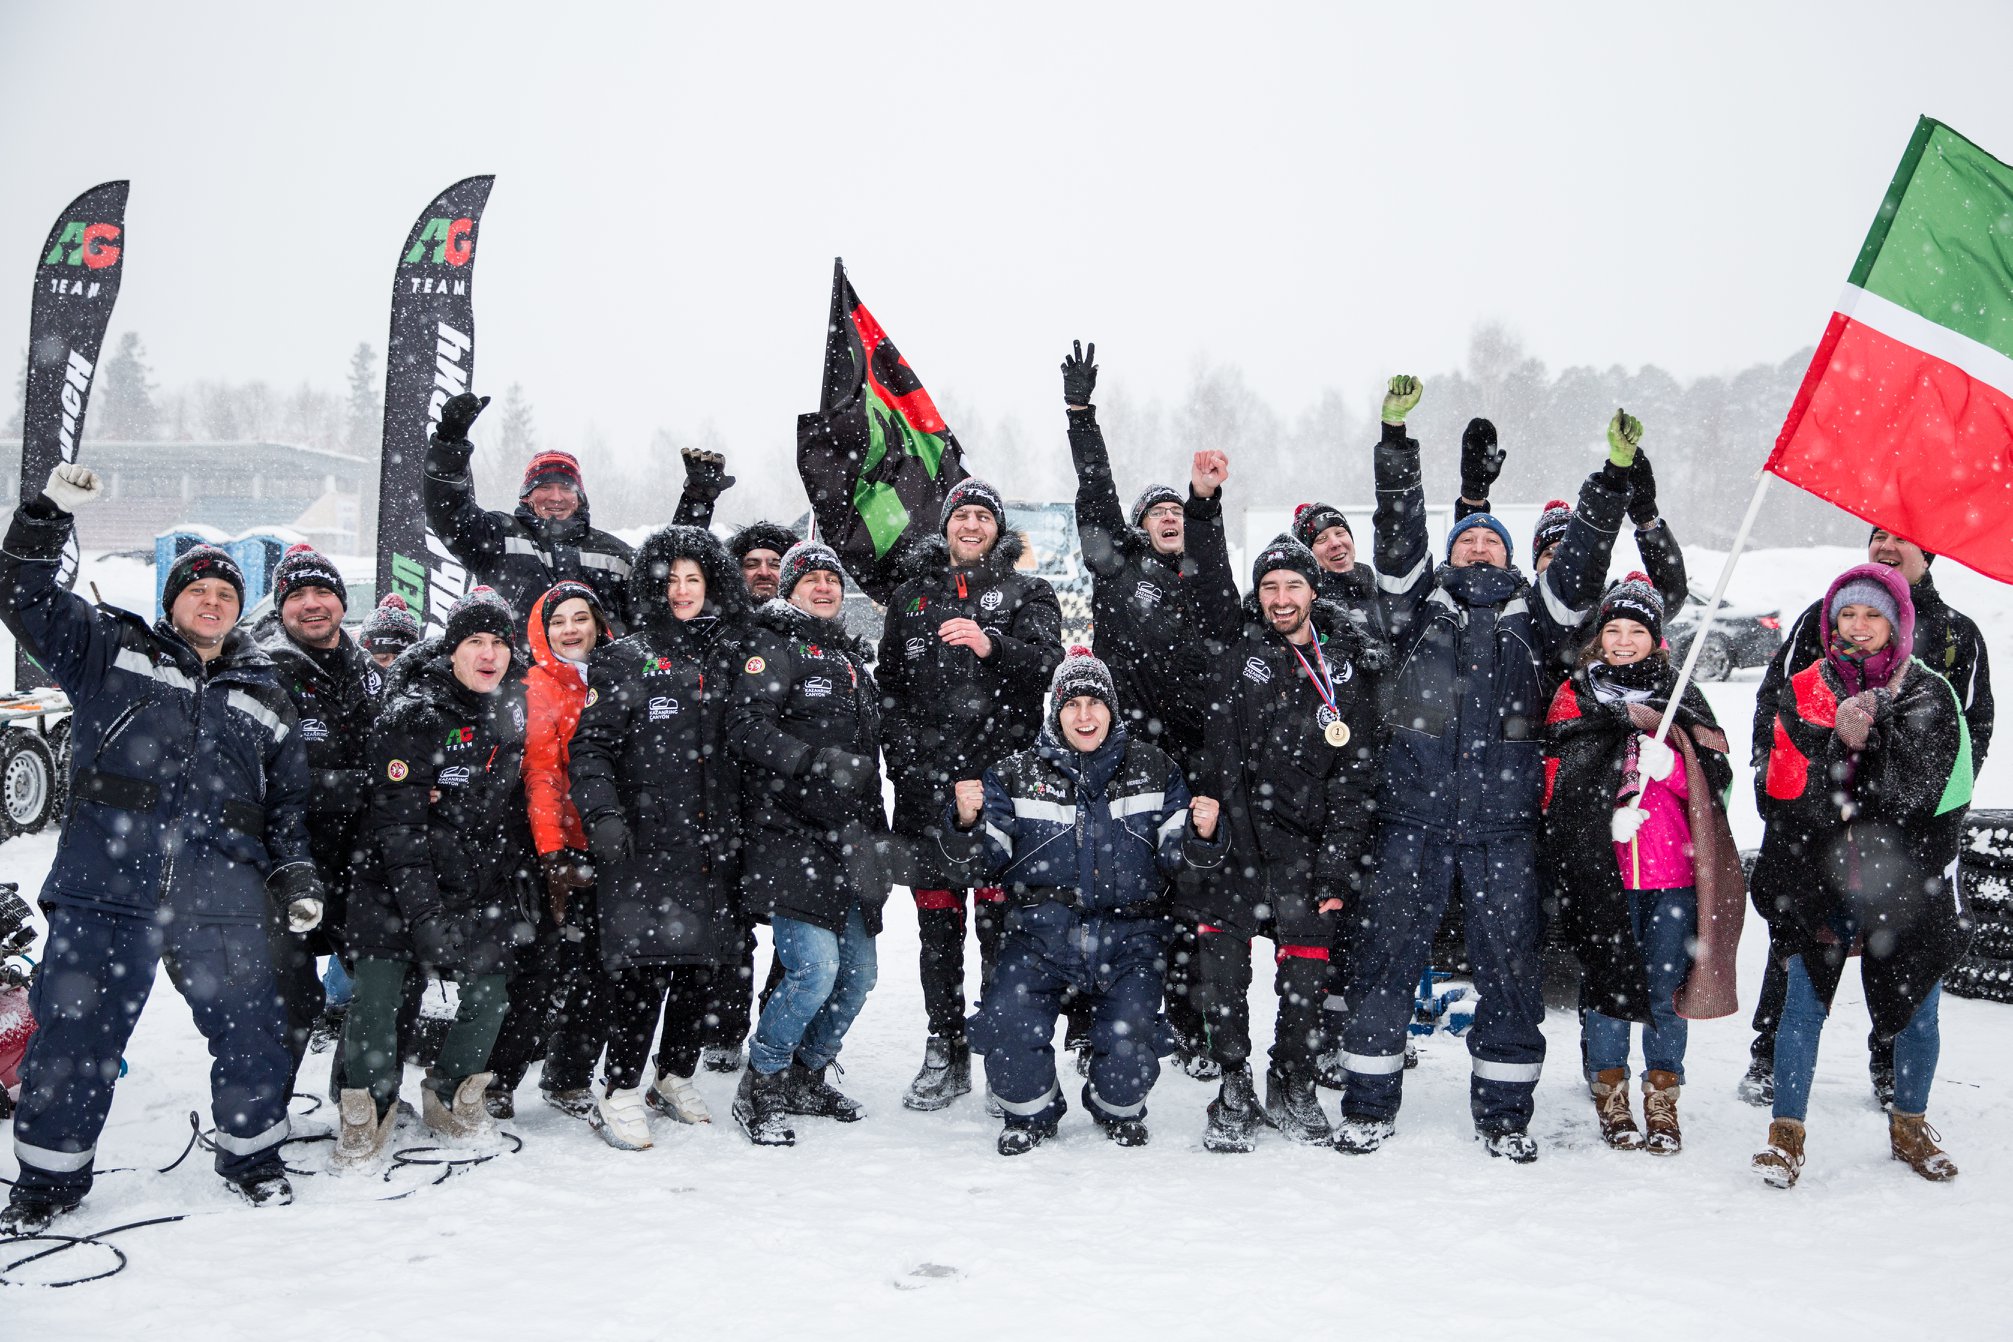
[
  {"x": 1665, "y": 923},
  {"x": 826, "y": 979},
  {"x": 1915, "y": 1049}
]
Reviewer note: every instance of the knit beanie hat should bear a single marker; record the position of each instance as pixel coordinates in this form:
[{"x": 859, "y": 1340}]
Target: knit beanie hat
[
  {"x": 761, "y": 536},
  {"x": 549, "y": 468},
  {"x": 1284, "y": 552},
  {"x": 1864, "y": 592},
  {"x": 1551, "y": 528},
  {"x": 971, "y": 490},
  {"x": 572, "y": 589},
  {"x": 807, "y": 557},
  {"x": 304, "y": 566},
  {"x": 1927, "y": 557},
  {"x": 1634, "y": 598},
  {"x": 482, "y": 611},
  {"x": 1473, "y": 520},
  {"x": 1080, "y": 673},
  {"x": 390, "y": 627},
  {"x": 1152, "y": 496},
  {"x": 199, "y": 562},
  {"x": 1311, "y": 519}
]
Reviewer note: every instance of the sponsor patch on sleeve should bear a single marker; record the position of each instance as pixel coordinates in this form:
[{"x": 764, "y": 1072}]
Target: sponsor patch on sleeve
[
  {"x": 593, "y": 697},
  {"x": 396, "y": 771},
  {"x": 755, "y": 666}
]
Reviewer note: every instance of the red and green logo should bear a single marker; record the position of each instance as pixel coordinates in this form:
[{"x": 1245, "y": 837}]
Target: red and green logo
[
  {"x": 453, "y": 242},
  {"x": 93, "y": 246},
  {"x": 460, "y": 736}
]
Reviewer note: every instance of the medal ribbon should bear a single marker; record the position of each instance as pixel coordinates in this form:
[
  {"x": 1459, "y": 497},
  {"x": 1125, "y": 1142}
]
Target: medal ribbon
[{"x": 1322, "y": 685}]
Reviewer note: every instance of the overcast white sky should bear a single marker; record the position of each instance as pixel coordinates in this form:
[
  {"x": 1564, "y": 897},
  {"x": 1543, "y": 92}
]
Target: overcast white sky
[{"x": 1321, "y": 193}]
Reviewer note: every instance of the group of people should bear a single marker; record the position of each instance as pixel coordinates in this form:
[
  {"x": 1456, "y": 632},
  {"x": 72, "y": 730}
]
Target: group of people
[{"x": 578, "y": 796}]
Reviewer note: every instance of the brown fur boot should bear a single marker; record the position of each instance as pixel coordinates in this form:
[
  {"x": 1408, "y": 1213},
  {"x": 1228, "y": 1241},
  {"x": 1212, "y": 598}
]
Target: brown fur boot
[
  {"x": 1914, "y": 1143},
  {"x": 1611, "y": 1103},
  {"x": 1660, "y": 1097},
  {"x": 1783, "y": 1161}
]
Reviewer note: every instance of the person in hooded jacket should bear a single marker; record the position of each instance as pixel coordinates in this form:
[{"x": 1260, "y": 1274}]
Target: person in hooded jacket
[
  {"x": 446, "y": 883},
  {"x": 559, "y": 992},
  {"x": 1478, "y": 650},
  {"x": 184, "y": 834},
  {"x": 334, "y": 689},
  {"x": 549, "y": 536},
  {"x": 1084, "y": 831},
  {"x": 1862, "y": 802},
  {"x": 1149, "y": 619},
  {"x": 1637, "y": 843},
  {"x": 660, "y": 798},
  {"x": 966, "y": 655},
  {"x": 1292, "y": 757},
  {"x": 1950, "y": 644},
  {"x": 805, "y": 726}
]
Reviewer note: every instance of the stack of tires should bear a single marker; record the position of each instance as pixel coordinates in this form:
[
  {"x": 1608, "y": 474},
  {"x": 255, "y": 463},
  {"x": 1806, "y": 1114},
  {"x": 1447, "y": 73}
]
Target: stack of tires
[{"x": 1986, "y": 874}]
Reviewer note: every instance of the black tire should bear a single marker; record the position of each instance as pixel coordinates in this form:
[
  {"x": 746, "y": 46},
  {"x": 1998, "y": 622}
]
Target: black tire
[
  {"x": 1988, "y": 841},
  {"x": 1987, "y": 893},
  {"x": 1993, "y": 941},
  {"x": 29, "y": 781},
  {"x": 59, "y": 741},
  {"x": 1982, "y": 978}
]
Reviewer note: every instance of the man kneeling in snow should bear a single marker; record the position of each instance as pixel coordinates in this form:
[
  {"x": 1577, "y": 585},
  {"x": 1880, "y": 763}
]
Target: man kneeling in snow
[{"x": 1084, "y": 830}]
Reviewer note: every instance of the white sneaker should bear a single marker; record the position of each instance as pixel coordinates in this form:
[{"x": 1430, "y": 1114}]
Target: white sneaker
[
  {"x": 622, "y": 1120},
  {"x": 676, "y": 1097}
]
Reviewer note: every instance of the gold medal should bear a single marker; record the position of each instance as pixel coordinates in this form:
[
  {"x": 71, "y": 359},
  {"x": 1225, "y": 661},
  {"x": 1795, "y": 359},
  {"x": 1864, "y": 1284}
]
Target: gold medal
[{"x": 1336, "y": 733}]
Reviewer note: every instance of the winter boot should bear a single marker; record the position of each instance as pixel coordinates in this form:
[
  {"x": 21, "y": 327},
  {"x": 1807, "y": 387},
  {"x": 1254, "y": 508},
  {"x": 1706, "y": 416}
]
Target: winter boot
[
  {"x": 1758, "y": 1086},
  {"x": 811, "y": 1095},
  {"x": 1411, "y": 1054},
  {"x": 676, "y": 1097},
  {"x": 1017, "y": 1139},
  {"x": 1517, "y": 1146},
  {"x": 327, "y": 1029},
  {"x": 1914, "y": 1143},
  {"x": 1197, "y": 1065},
  {"x": 720, "y": 1058},
  {"x": 1611, "y": 1104},
  {"x": 573, "y": 1103},
  {"x": 1361, "y": 1136},
  {"x": 364, "y": 1135},
  {"x": 622, "y": 1119},
  {"x": 1780, "y": 1165},
  {"x": 29, "y": 1213},
  {"x": 759, "y": 1108},
  {"x": 499, "y": 1103},
  {"x": 946, "y": 1074},
  {"x": 1126, "y": 1131},
  {"x": 1234, "y": 1114},
  {"x": 1660, "y": 1097},
  {"x": 1329, "y": 1071},
  {"x": 462, "y": 1119},
  {"x": 263, "y": 1188},
  {"x": 1882, "y": 1077},
  {"x": 1292, "y": 1106}
]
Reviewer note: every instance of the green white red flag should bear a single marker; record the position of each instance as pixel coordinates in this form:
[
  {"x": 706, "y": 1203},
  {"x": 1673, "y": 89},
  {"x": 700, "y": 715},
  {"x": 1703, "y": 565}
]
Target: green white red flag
[{"x": 1906, "y": 415}]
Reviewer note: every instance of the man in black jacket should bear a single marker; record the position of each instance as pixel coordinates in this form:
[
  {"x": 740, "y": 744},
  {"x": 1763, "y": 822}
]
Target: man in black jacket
[
  {"x": 966, "y": 656},
  {"x": 1950, "y": 643}
]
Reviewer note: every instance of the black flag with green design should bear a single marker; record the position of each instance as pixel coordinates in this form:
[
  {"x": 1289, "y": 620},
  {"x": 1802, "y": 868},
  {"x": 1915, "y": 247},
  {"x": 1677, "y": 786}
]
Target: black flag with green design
[{"x": 876, "y": 457}]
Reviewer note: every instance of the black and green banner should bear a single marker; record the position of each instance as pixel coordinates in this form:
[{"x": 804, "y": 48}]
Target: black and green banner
[
  {"x": 876, "y": 457},
  {"x": 429, "y": 357}
]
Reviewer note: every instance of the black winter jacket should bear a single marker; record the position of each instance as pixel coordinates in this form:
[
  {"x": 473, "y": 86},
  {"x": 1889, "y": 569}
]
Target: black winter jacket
[
  {"x": 651, "y": 749},
  {"x": 1149, "y": 618},
  {"x": 1298, "y": 811},
  {"x": 951, "y": 715},
  {"x": 465, "y": 855},
  {"x": 805, "y": 688},
  {"x": 188, "y": 781}
]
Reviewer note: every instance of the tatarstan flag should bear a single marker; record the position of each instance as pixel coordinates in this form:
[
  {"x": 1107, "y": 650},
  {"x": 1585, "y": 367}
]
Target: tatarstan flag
[
  {"x": 1906, "y": 414},
  {"x": 876, "y": 457}
]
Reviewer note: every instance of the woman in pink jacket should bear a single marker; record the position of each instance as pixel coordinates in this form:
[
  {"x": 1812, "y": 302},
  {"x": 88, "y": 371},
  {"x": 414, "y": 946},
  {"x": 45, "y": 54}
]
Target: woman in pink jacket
[{"x": 1637, "y": 844}]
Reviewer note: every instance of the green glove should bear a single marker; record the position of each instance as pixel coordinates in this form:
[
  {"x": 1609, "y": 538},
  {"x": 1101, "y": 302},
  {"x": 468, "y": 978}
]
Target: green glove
[
  {"x": 1625, "y": 435},
  {"x": 1400, "y": 397}
]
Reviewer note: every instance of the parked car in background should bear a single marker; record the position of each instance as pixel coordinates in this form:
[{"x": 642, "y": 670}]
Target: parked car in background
[{"x": 1741, "y": 636}]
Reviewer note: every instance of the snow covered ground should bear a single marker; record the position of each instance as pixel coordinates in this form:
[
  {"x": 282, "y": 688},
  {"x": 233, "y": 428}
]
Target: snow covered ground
[{"x": 908, "y": 1225}]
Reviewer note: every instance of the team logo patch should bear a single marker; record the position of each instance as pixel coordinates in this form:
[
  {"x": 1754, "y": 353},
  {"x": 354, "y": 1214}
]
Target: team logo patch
[
  {"x": 460, "y": 736},
  {"x": 517, "y": 715},
  {"x": 593, "y": 698},
  {"x": 1256, "y": 671},
  {"x": 373, "y": 681},
  {"x": 656, "y": 666},
  {"x": 396, "y": 771},
  {"x": 817, "y": 687},
  {"x": 662, "y": 707},
  {"x": 991, "y": 600},
  {"x": 455, "y": 775},
  {"x": 918, "y": 604},
  {"x": 314, "y": 729},
  {"x": 914, "y": 648},
  {"x": 1341, "y": 672},
  {"x": 1146, "y": 594},
  {"x": 755, "y": 666}
]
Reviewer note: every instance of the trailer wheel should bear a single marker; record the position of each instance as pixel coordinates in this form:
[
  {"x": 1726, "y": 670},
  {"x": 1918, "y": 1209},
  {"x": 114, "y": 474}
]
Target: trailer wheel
[{"x": 27, "y": 781}]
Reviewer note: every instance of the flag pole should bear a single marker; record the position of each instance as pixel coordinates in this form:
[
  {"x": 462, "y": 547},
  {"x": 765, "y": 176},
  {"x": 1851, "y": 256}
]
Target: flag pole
[{"x": 1711, "y": 611}]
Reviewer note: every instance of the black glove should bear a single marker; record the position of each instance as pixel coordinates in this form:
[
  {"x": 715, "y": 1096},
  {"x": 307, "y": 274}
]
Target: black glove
[
  {"x": 458, "y": 415},
  {"x": 438, "y": 940},
  {"x": 706, "y": 473},
  {"x": 1481, "y": 459},
  {"x": 608, "y": 841},
  {"x": 1642, "y": 490},
  {"x": 17, "y": 933},
  {"x": 844, "y": 770},
  {"x": 1079, "y": 374},
  {"x": 866, "y": 859}
]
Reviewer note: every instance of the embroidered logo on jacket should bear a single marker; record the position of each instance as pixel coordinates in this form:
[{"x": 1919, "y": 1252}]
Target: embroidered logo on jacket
[
  {"x": 1256, "y": 671},
  {"x": 915, "y": 648},
  {"x": 662, "y": 707},
  {"x": 817, "y": 687},
  {"x": 455, "y": 775},
  {"x": 460, "y": 736},
  {"x": 657, "y": 666},
  {"x": 396, "y": 771},
  {"x": 1146, "y": 594},
  {"x": 991, "y": 600},
  {"x": 314, "y": 729},
  {"x": 755, "y": 666}
]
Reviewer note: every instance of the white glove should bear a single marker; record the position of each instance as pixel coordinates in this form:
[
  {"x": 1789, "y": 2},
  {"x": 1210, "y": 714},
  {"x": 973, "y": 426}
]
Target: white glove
[
  {"x": 1625, "y": 822},
  {"x": 72, "y": 486},
  {"x": 304, "y": 915},
  {"x": 1655, "y": 759}
]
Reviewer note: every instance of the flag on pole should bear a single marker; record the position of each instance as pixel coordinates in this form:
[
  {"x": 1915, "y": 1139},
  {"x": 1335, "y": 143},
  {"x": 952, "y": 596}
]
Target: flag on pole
[
  {"x": 876, "y": 458},
  {"x": 1906, "y": 414}
]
